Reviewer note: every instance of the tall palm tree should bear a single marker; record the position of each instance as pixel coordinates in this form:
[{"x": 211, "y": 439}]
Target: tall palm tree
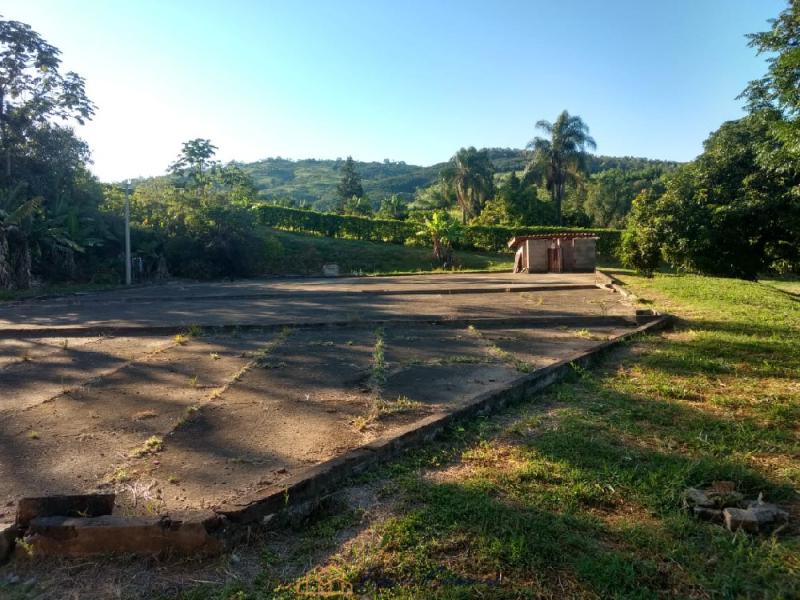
[
  {"x": 471, "y": 174},
  {"x": 562, "y": 158}
]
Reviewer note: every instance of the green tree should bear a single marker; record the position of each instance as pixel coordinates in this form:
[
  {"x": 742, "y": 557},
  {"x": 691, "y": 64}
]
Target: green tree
[
  {"x": 195, "y": 158},
  {"x": 349, "y": 184},
  {"x": 724, "y": 213},
  {"x": 33, "y": 90},
  {"x": 776, "y": 95},
  {"x": 640, "y": 246},
  {"x": 471, "y": 175},
  {"x": 561, "y": 158},
  {"x": 359, "y": 206},
  {"x": 393, "y": 207},
  {"x": 516, "y": 202},
  {"x": 608, "y": 195},
  {"x": 443, "y": 232},
  {"x": 16, "y": 212},
  {"x": 437, "y": 196}
]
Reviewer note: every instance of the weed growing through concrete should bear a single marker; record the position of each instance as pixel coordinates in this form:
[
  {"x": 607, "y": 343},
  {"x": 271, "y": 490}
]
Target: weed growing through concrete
[
  {"x": 401, "y": 405},
  {"x": 503, "y": 355},
  {"x": 194, "y": 331},
  {"x": 180, "y": 339},
  {"x": 151, "y": 445},
  {"x": 120, "y": 475},
  {"x": 187, "y": 416},
  {"x": 33, "y": 435},
  {"x": 377, "y": 378},
  {"x": 259, "y": 358}
]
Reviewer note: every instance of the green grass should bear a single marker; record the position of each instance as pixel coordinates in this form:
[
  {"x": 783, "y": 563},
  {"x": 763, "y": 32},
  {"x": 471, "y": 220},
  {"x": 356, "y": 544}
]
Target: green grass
[
  {"x": 787, "y": 283},
  {"x": 577, "y": 492},
  {"x": 307, "y": 253}
]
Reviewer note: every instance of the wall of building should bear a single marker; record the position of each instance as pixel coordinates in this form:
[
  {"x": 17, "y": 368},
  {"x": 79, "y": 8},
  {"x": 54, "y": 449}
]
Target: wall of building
[
  {"x": 536, "y": 255},
  {"x": 584, "y": 254}
]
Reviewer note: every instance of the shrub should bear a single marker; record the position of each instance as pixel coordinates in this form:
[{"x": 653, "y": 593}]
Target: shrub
[{"x": 474, "y": 237}]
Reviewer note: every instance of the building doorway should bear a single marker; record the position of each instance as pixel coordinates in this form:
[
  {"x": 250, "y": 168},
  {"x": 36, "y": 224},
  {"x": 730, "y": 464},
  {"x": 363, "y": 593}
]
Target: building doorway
[{"x": 554, "y": 259}]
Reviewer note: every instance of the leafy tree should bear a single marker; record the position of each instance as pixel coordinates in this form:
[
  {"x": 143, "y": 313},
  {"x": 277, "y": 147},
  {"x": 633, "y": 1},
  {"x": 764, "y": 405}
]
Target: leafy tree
[
  {"x": 471, "y": 175},
  {"x": 437, "y": 196},
  {"x": 561, "y": 158},
  {"x": 443, "y": 232},
  {"x": 607, "y": 196},
  {"x": 359, "y": 206},
  {"x": 516, "y": 203},
  {"x": 723, "y": 214},
  {"x": 350, "y": 184},
  {"x": 43, "y": 162},
  {"x": 15, "y": 215},
  {"x": 640, "y": 246},
  {"x": 195, "y": 158},
  {"x": 393, "y": 207},
  {"x": 776, "y": 95},
  {"x": 33, "y": 90}
]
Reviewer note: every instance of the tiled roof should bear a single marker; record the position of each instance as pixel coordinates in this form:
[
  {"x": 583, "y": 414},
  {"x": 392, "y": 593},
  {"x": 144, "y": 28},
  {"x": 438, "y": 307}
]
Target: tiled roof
[{"x": 564, "y": 235}]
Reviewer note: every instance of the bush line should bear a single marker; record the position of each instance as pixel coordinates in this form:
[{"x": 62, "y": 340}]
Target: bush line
[{"x": 474, "y": 237}]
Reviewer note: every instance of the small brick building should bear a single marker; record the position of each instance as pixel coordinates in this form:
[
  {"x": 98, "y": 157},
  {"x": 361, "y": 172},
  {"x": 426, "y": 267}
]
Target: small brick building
[{"x": 554, "y": 252}]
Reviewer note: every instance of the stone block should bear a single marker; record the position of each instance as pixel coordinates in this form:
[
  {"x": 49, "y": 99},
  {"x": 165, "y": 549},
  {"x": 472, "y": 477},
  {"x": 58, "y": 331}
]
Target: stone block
[
  {"x": 81, "y": 505},
  {"x": 8, "y": 535},
  {"x": 330, "y": 270},
  {"x": 713, "y": 515},
  {"x": 60, "y": 536},
  {"x": 740, "y": 518},
  {"x": 759, "y": 517}
]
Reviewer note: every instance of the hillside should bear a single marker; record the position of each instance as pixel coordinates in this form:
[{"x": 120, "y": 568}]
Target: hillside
[{"x": 313, "y": 182}]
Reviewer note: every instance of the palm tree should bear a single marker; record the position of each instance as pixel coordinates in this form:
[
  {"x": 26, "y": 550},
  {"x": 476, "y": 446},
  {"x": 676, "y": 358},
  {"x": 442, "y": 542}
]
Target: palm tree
[
  {"x": 471, "y": 174},
  {"x": 562, "y": 158}
]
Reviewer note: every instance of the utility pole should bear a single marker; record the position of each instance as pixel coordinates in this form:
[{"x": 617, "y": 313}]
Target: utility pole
[{"x": 127, "y": 233}]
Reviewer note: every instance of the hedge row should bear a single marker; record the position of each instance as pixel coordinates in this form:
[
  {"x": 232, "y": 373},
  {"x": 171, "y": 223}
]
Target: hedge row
[{"x": 475, "y": 237}]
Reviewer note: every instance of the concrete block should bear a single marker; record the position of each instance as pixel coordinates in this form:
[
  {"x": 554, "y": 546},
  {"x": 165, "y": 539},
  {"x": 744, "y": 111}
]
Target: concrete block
[
  {"x": 80, "y": 505},
  {"x": 740, "y": 518},
  {"x": 64, "y": 536},
  {"x": 8, "y": 535},
  {"x": 759, "y": 517}
]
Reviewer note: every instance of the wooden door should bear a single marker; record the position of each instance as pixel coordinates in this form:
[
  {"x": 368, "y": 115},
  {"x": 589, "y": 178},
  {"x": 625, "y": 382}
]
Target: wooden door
[{"x": 554, "y": 260}]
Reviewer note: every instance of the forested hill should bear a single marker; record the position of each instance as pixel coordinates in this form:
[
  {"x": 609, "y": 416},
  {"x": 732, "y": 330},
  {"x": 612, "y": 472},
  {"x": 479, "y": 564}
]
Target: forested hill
[{"x": 313, "y": 182}]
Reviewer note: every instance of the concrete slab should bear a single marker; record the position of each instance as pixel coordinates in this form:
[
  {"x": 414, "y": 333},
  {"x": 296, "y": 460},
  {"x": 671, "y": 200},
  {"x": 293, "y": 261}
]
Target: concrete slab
[{"x": 237, "y": 415}]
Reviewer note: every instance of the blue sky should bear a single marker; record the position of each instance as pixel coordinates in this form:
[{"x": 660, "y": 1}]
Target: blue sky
[{"x": 411, "y": 80}]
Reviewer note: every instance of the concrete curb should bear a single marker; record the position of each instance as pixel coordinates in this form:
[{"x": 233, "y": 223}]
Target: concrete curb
[
  {"x": 206, "y": 533},
  {"x": 508, "y": 289},
  {"x": 610, "y": 282},
  {"x": 134, "y": 330}
]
